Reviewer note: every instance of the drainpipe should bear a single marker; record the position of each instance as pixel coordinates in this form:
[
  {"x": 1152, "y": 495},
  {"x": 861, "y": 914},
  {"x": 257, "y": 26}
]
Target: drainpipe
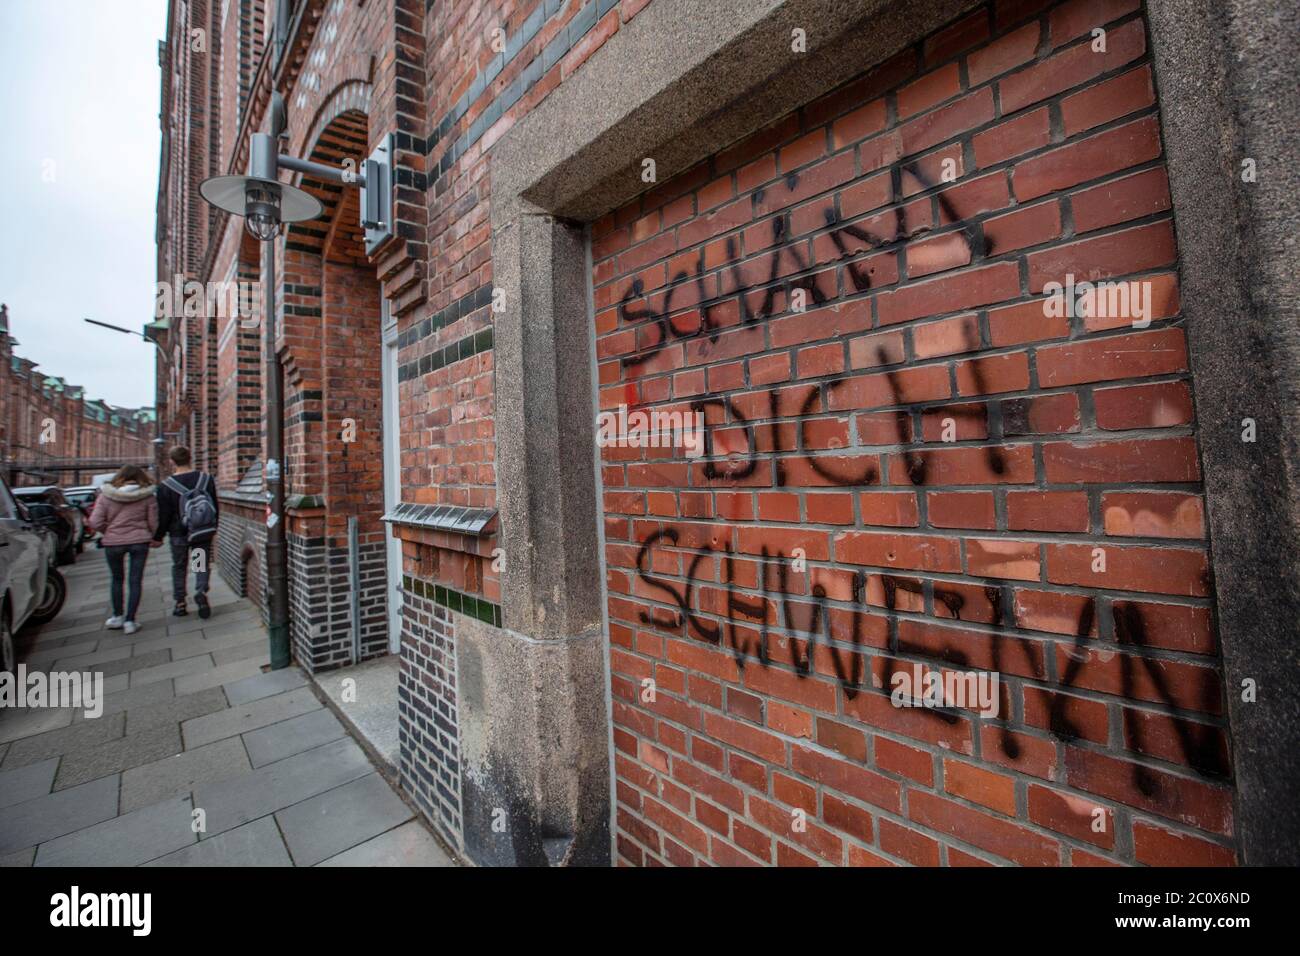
[
  {"x": 280, "y": 32},
  {"x": 277, "y": 565},
  {"x": 354, "y": 580}
]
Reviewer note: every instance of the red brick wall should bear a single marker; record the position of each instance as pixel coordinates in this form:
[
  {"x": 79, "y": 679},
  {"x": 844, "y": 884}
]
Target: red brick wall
[
  {"x": 353, "y": 439},
  {"x": 300, "y": 334},
  {"x": 192, "y": 65},
  {"x": 26, "y": 403},
  {"x": 447, "y": 430},
  {"x": 1073, "y": 441},
  {"x": 239, "y": 395}
]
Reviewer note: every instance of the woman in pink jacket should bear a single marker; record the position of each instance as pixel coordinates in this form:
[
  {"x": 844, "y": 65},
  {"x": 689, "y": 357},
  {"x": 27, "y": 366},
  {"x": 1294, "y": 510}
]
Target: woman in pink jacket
[{"x": 126, "y": 514}]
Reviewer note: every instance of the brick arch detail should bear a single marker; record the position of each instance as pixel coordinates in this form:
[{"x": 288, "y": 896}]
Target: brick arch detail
[
  {"x": 350, "y": 124},
  {"x": 348, "y": 96}
]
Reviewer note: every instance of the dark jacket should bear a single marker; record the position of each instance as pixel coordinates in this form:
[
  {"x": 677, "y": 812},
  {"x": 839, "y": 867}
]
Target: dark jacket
[{"x": 169, "y": 503}]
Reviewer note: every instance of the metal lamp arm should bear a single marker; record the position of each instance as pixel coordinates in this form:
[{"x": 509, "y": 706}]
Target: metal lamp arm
[
  {"x": 321, "y": 171},
  {"x": 162, "y": 352},
  {"x": 375, "y": 176},
  {"x": 372, "y": 216}
]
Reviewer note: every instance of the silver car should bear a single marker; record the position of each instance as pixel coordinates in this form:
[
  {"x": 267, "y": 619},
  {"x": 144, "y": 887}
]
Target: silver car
[{"x": 32, "y": 589}]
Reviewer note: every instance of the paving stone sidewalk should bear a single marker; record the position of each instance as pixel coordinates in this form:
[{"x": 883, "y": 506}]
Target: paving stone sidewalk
[{"x": 191, "y": 720}]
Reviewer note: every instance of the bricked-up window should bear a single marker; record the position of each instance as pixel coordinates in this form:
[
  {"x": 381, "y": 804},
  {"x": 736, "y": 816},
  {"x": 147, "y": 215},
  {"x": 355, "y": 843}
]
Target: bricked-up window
[{"x": 928, "y": 466}]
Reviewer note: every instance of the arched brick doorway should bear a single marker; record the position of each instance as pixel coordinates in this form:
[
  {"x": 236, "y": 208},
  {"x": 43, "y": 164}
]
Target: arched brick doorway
[{"x": 330, "y": 348}]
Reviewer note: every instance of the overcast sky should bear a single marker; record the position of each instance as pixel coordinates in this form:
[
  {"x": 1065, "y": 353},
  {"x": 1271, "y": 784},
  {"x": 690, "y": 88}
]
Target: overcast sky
[{"x": 79, "y": 105}]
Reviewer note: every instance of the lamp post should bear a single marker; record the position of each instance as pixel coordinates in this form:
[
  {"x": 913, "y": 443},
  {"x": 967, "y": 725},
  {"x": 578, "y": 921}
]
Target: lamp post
[
  {"x": 265, "y": 203},
  {"x": 117, "y": 328},
  {"x": 167, "y": 364}
]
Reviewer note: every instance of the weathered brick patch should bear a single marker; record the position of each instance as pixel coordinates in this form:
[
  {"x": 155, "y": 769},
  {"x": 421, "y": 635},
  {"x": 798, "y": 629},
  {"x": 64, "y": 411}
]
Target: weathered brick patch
[{"x": 925, "y": 466}]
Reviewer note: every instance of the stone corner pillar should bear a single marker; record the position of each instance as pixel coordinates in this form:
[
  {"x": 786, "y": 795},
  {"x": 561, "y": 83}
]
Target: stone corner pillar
[
  {"x": 532, "y": 694},
  {"x": 1228, "y": 95}
]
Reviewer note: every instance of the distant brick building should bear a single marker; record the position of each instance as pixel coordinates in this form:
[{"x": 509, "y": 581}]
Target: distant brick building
[
  {"x": 850, "y": 244},
  {"x": 51, "y": 433}
]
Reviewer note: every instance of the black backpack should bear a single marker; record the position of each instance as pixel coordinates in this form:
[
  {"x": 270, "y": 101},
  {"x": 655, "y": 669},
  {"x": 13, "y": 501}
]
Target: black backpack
[{"x": 198, "y": 515}]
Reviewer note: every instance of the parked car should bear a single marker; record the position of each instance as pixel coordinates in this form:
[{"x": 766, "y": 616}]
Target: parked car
[
  {"x": 83, "y": 496},
  {"x": 32, "y": 589},
  {"x": 50, "y": 509}
]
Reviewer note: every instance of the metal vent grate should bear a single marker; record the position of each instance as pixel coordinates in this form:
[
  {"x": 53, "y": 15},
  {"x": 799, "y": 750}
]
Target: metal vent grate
[{"x": 454, "y": 518}]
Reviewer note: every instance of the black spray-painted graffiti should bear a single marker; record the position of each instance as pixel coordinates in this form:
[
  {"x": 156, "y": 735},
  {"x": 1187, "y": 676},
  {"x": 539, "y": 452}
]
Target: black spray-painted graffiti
[
  {"x": 745, "y": 628},
  {"x": 743, "y": 613},
  {"x": 915, "y": 463},
  {"x": 783, "y": 248}
]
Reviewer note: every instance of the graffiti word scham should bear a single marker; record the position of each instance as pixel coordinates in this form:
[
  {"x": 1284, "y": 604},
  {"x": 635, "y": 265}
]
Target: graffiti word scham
[{"x": 849, "y": 240}]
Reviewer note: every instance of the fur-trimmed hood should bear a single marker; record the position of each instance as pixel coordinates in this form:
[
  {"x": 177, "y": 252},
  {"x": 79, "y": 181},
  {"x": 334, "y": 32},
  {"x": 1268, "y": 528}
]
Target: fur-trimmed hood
[{"x": 127, "y": 493}]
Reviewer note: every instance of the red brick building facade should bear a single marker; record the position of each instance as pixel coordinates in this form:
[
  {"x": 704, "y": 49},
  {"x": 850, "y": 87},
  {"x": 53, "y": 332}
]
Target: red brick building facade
[
  {"x": 851, "y": 247},
  {"x": 51, "y": 433}
]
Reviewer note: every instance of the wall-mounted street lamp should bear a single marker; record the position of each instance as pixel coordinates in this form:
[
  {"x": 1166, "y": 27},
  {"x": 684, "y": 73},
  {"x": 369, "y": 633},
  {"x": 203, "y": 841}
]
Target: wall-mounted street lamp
[
  {"x": 156, "y": 326},
  {"x": 265, "y": 203},
  {"x": 259, "y": 197},
  {"x": 161, "y": 441}
]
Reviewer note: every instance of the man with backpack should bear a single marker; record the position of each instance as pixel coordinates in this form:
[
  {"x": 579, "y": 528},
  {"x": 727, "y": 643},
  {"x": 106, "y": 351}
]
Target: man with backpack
[{"x": 187, "y": 513}]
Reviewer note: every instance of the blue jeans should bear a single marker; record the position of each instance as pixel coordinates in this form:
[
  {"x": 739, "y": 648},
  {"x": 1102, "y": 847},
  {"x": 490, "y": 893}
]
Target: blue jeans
[
  {"x": 116, "y": 556},
  {"x": 181, "y": 558}
]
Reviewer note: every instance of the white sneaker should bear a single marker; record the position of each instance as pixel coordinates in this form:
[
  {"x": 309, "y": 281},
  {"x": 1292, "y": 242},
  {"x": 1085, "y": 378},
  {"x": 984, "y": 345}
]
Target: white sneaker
[
  {"x": 130, "y": 627},
  {"x": 115, "y": 623}
]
